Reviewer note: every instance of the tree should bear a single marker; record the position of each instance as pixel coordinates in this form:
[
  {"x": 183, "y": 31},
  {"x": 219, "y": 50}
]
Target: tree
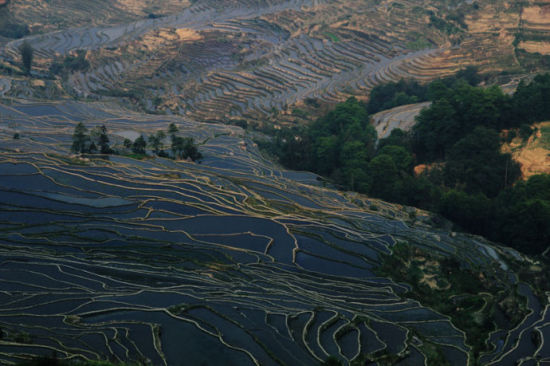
[
  {"x": 469, "y": 211},
  {"x": 393, "y": 94},
  {"x": 104, "y": 141},
  {"x": 435, "y": 130},
  {"x": 71, "y": 63},
  {"x": 530, "y": 102},
  {"x": 476, "y": 164},
  {"x": 92, "y": 149},
  {"x": 138, "y": 147},
  {"x": 177, "y": 146},
  {"x": 184, "y": 148},
  {"x": 81, "y": 140},
  {"x": 332, "y": 361},
  {"x": 172, "y": 130},
  {"x": 100, "y": 139},
  {"x": 27, "y": 54},
  {"x": 155, "y": 141},
  {"x": 354, "y": 158},
  {"x": 401, "y": 157},
  {"x": 397, "y": 137},
  {"x": 326, "y": 154},
  {"x": 190, "y": 149},
  {"x": 470, "y": 75},
  {"x": 384, "y": 176},
  {"x": 127, "y": 143}
]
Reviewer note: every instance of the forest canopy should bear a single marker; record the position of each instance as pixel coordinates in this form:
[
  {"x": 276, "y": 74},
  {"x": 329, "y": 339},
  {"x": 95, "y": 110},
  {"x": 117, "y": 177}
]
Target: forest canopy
[{"x": 458, "y": 138}]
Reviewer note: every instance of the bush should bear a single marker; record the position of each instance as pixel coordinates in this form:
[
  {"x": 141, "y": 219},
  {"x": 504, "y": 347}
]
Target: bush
[
  {"x": 71, "y": 64},
  {"x": 525, "y": 131}
]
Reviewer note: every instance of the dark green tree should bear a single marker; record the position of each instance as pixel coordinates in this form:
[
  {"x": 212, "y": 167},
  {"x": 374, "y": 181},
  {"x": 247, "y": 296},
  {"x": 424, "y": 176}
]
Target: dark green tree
[
  {"x": 138, "y": 147},
  {"x": 354, "y": 158},
  {"x": 156, "y": 141},
  {"x": 191, "y": 150},
  {"x": 394, "y": 94},
  {"x": 81, "y": 139},
  {"x": 294, "y": 148},
  {"x": 435, "y": 131},
  {"x": 397, "y": 137},
  {"x": 384, "y": 176},
  {"x": 172, "y": 130},
  {"x": 127, "y": 143},
  {"x": 475, "y": 164},
  {"x": 332, "y": 361},
  {"x": 531, "y": 101},
  {"x": 401, "y": 157},
  {"x": 469, "y": 211},
  {"x": 27, "y": 54},
  {"x": 104, "y": 146},
  {"x": 177, "y": 147},
  {"x": 185, "y": 147}
]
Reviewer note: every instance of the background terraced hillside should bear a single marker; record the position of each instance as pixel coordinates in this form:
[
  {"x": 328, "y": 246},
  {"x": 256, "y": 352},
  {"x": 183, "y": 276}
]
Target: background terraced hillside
[{"x": 261, "y": 60}]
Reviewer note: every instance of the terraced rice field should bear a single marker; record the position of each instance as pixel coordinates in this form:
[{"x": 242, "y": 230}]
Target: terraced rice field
[
  {"x": 222, "y": 60},
  {"x": 174, "y": 262}
]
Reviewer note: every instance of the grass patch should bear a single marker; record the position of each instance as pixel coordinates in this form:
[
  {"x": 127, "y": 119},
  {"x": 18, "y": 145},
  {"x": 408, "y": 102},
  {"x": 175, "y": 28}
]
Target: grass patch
[
  {"x": 333, "y": 37},
  {"x": 419, "y": 44}
]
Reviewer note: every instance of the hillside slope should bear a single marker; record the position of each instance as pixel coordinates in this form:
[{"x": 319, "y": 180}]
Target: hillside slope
[
  {"x": 161, "y": 261},
  {"x": 214, "y": 60}
]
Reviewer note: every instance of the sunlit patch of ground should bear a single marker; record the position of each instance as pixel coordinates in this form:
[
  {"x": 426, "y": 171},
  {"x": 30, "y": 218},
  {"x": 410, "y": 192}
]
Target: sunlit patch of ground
[{"x": 534, "y": 154}]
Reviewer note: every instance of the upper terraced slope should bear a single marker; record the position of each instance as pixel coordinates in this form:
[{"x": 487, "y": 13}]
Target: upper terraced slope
[{"x": 219, "y": 60}]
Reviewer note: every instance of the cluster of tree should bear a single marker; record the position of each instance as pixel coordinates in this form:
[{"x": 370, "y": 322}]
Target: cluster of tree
[
  {"x": 95, "y": 142},
  {"x": 338, "y": 145},
  {"x": 394, "y": 94},
  {"x": 518, "y": 216},
  {"x": 71, "y": 63},
  {"x": 458, "y": 109},
  {"x": 98, "y": 142},
  {"x": 466, "y": 177}
]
